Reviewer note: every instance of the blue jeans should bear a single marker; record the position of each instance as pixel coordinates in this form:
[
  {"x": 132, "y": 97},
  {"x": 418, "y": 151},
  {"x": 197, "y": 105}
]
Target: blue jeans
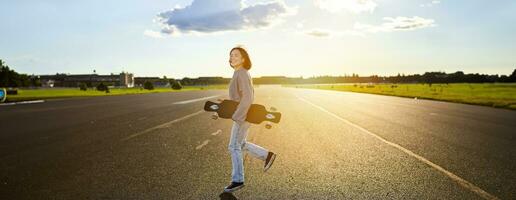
[{"x": 237, "y": 143}]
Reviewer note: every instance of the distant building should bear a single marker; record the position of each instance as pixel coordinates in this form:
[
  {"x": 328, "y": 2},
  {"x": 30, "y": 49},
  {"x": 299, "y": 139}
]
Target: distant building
[
  {"x": 127, "y": 80},
  {"x": 206, "y": 80},
  {"x": 156, "y": 81},
  {"x": 275, "y": 80},
  {"x": 66, "y": 80}
]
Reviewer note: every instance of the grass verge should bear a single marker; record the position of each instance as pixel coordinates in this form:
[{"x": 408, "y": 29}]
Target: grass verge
[
  {"x": 52, "y": 93},
  {"x": 500, "y": 95}
]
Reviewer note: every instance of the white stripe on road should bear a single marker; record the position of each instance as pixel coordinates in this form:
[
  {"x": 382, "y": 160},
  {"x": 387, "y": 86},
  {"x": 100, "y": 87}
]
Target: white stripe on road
[
  {"x": 201, "y": 145},
  {"x": 217, "y": 132},
  {"x": 464, "y": 183},
  {"x": 195, "y": 100},
  {"x": 22, "y": 102},
  {"x": 163, "y": 125}
]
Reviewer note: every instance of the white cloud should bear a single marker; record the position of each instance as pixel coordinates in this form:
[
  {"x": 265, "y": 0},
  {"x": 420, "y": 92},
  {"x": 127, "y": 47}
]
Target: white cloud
[
  {"x": 153, "y": 34},
  {"x": 396, "y": 24},
  {"x": 391, "y": 24},
  {"x": 353, "y": 6},
  {"x": 324, "y": 33},
  {"x": 318, "y": 33},
  {"x": 430, "y": 4},
  {"x": 210, "y": 16},
  {"x": 300, "y": 25}
]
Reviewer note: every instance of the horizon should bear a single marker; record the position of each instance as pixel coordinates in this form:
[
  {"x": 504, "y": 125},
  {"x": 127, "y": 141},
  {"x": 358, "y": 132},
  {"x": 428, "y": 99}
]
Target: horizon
[
  {"x": 304, "y": 77},
  {"x": 284, "y": 38}
]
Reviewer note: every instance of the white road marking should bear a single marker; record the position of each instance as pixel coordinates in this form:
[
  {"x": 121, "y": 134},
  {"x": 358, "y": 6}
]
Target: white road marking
[
  {"x": 22, "y": 102},
  {"x": 195, "y": 100},
  {"x": 163, "y": 125},
  {"x": 202, "y": 145},
  {"x": 217, "y": 132},
  {"x": 464, "y": 183}
]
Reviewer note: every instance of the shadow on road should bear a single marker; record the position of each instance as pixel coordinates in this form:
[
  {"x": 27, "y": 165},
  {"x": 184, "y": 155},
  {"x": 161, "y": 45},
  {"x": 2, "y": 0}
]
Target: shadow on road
[{"x": 227, "y": 196}]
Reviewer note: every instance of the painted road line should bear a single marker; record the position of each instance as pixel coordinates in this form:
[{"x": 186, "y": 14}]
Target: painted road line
[
  {"x": 202, "y": 145},
  {"x": 464, "y": 183},
  {"x": 195, "y": 100},
  {"x": 163, "y": 125},
  {"x": 22, "y": 102},
  {"x": 217, "y": 132}
]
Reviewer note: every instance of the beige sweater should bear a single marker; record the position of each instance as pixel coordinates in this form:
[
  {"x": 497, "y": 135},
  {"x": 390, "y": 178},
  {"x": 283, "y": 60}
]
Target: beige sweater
[{"x": 241, "y": 90}]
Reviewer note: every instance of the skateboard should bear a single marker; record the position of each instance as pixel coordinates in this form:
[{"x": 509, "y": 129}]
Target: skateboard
[{"x": 256, "y": 114}]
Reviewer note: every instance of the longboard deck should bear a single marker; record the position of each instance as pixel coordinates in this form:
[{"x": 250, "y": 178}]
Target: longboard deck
[{"x": 256, "y": 114}]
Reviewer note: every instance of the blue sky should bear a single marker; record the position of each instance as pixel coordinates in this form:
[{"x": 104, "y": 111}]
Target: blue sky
[{"x": 292, "y": 37}]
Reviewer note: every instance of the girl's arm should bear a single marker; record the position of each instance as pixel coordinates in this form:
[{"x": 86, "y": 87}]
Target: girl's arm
[{"x": 244, "y": 85}]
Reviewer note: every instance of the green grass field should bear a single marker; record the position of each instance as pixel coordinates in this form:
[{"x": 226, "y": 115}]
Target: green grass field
[
  {"x": 50, "y": 93},
  {"x": 501, "y": 95}
]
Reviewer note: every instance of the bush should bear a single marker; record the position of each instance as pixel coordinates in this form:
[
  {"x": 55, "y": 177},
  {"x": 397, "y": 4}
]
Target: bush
[
  {"x": 176, "y": 85},
  {"x": 12, "y": 91},
  {"x": 148, "y": 85},
  {"x": 83, "y": 87},
  {"x": 102, "y": 87}
]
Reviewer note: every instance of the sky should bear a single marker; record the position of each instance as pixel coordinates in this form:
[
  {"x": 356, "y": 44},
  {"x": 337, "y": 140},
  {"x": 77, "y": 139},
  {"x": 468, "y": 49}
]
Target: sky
[{"x": 185, "y": 38}]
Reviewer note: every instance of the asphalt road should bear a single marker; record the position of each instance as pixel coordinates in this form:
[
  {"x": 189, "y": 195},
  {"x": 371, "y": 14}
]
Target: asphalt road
[{"x": 330, "y": 145}]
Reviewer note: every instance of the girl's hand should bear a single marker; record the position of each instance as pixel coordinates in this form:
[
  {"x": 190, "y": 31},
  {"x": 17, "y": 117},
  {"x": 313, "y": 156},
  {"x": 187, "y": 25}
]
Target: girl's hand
[{"x": 238, "y": 121}]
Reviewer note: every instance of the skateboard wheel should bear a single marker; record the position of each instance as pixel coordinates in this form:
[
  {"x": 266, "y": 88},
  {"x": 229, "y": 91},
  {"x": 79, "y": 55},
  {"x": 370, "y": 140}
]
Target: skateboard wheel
[
  {"x": 214, "y": 116},
  {"x": 273, "y": 109},
  {"x": 268, "y": 126}
]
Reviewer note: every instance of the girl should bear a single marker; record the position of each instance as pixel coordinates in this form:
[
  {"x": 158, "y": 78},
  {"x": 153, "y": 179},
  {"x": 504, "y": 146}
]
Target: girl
[{"x": 241, "y": 90}]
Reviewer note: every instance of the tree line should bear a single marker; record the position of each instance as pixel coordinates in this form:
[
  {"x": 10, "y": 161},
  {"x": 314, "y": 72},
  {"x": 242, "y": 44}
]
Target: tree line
[
  {"x": 428, "y": 77},
  {"x": 10, "y": 78}
]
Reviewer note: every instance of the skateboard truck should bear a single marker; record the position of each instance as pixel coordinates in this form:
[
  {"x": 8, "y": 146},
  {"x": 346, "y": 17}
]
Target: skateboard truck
[{"x": 268, "y": 125}]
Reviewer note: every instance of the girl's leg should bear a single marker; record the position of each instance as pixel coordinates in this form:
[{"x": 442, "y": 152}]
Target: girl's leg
[
  {"x": 236, "y": 141},
  {"x": 256, "y": 151},
  {"x": 260, "y": 153},
  {"x": 253, "y": 149}
]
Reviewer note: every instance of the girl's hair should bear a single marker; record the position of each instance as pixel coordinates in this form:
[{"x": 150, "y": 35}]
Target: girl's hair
[{"x": 247, "y": 61}]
